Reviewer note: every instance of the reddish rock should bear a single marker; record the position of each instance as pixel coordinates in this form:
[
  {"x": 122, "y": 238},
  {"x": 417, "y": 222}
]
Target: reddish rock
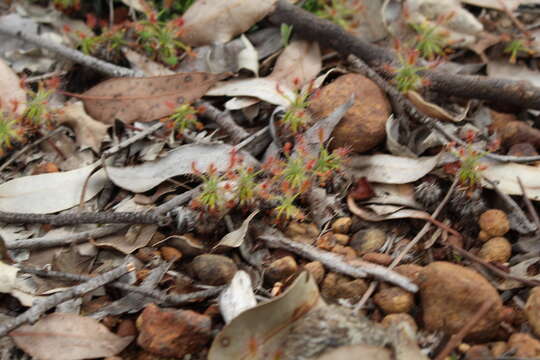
[
  {"x": 171, "y": 332},
  {"x": 214, "y": 269}
]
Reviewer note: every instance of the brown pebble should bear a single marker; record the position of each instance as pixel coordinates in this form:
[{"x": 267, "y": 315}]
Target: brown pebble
[
  {"x": 496, "y": 249},
  {"x": 394, "y": 300},
  {"x": 397, "y": 318},
  {"x": 525, "y": 346},
  {"x": 478, "y": 352},
  {"x": 335, "y": 286},
  {"x": 347, "y": 251},
  {"x": 378, "y": 258},
  {"x": 342, "y": 239},
  {"x": 342, "y": 225},
  {"x": 213, "y": 269},
  {"x": 170, "y": 254},
  {"x": 326, "y": 241},
  {"x": 316, "y": 268},
  {"x": 532, "y": 309},
  {"x": 483, "y": 236},
  {"x": 281, "y": 269},
  {"x": 494, "y": 222},
  {"x": 126, "y": 328},
  {"x": 368, "y": 240}
]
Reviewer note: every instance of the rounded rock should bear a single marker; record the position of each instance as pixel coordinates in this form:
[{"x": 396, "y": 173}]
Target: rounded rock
[
  {"x": 363, "y": 126},
  {"x": 394, "y": 300},
  {"x": 281, "y": 269},
  {"x": 316, "y": 268},
  {"x": 342, "y": 225},
  {"x": 494, "y": 222},
  {"x": 532, "y": 309},
  {"x": 213, "y": 269},
  {"x": 496, "y": 249},
  {"x": 368, "y": 240}
]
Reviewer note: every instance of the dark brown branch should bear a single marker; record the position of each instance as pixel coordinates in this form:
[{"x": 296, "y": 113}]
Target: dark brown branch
[
  {"x": 32, "y": 314},
  {"x": 85, "y": 218},
  {"x": 500, "y": 91}
]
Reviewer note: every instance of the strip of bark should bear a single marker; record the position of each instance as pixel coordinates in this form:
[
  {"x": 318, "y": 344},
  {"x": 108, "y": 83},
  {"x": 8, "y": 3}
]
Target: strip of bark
[
  {"x": 32, "y": 314},
  {"x": 500, "y": 91}
]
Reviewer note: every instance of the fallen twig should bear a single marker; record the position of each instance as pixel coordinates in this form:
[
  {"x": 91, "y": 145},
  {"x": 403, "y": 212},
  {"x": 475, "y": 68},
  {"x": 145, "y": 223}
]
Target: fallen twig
[
  {"x": 160, "y": 296},
  {"x": 530, "y": 207},
  {"x": 457, "y": 338},
  {"x": 124, "y": 144},
  {"x": 32, "y": 314},
  {"x": 224, "y": 120},
  {"x": 359, "y": 269},
  {"x": 69, "y": 239},
  {"x": 102, "y": 217},
  {"x": 311, "y": 27},
  {"x": 405, "y": 105}
]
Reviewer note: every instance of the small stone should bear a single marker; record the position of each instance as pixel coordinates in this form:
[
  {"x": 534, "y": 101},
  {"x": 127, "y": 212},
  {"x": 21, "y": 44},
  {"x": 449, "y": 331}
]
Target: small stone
[
  {"x": 342, "y": 225},
  {"x": 316, "y": 268},
  {"x": 452, "y": 294},
  {"x": 281, "y": 269},
  {"x": 126, "y": 327},
  {"x": 498, "y": 348},
  {"x": 335, "y": 286},
  {"x": 494, "y": 222},
  {"x": 296, "y": 228},
  {"x": 378, "y": 258},
  {"x": 532, "y": 309},
  {"x": 394, "y": 300},
  {"x": 478, "y": 352},
  {"x": 213, "y": 269},
  {"x": 169, "y": 253},
  {"x": 524, "y": 345},
  {"x": 312, "y": 230},
  {"x": 397, "y": 318},
  {"x": 411, "y": 271},
  {"x": 171, "y": 332},
  {"x": 368, "y": 240},
  {"x": 363, "y": 126},
  {"x": 483, "y": 236},
  {"x": 326, "y": 241},
  {"x": 347, "y": 251},
  {"x": 342, "y": 239},
  {"x": 496, "y": 249}
]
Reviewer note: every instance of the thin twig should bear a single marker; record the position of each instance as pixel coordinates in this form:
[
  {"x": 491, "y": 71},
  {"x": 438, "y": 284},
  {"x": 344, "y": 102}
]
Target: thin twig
[
  {"x": 492, "y": 268},
  {"x": 21, "y": 152},
  {"x": 139, "y": 136},
  {"x": 69, "y": 239},
  {"x": 407, "y": 106},
  {"x": 357, "y": 269},
  {"x": 160, "y": 296},
  {"x": 224, "y": 120},
  {"x": 530, "y": 207},
  {"x": 410, "y": 245},
  {"x": 32, "y": 314},
  {"x": 69, "y": 53},
  {"x": 102, "y": 217},
  {"x": 457, "y": 338}
]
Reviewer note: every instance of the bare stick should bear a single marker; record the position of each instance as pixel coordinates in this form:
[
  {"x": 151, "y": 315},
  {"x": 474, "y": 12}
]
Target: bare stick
[
  {"x": 529, "y": 204},
  {"x": 70, "y": 239},
  {"x": 161, "y": 297},
  {"x": 102, "y": 217},
  {"x": 500, "y": 91},
  {"x": 32, "y": 314},
  {"x": 359, "y": 269},
  {"x": 139, "y": 136},
  {"x": 407, "y": 106},
  {"x": 224, "y": 120},
  {"x": 71, "y": 54},
  {"x": 456, "y": 339}
]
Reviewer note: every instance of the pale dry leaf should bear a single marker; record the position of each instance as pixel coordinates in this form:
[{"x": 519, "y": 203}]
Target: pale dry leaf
[
  {"x": 218, "y": 21},
  {"x": 389, "y": 169},
  {"x": 262, "y": 88},
  {"x": 136, "y": 237},
  {"x": 49, "y": 193},
  {"x": 88, "y": 132},
  {"x": 299, "y": 63},
  {"x": 139, "y": 5},
  {"x": 248, "y": 58},
  {"x": 237, "y": 297},
  {"x": 506, "y": 174},
  {"x": 510, "y": 5},
  {"x": 68, "y": 337},
  {"x": 8, "y": 276},
  {"x": 235, "y": 238},
  {"x": 505, "y": 70},
  {"x": 145, "y": 65},
  {"x": 278, "y": 315},
  {"x": 12, "y": 95},
  {"x": 145, "y": 99},
  {"x": 180, "y": 161}
]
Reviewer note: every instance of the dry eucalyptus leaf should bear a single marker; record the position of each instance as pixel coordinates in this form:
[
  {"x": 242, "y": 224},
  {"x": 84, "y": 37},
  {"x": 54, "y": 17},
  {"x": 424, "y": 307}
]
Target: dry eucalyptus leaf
[
  {"x": 237, "y": 297},
  {"x": 235, "y": 238},
  {"x": 389, "y": 169},
  {"x": 89, "y": 132},
  {"x": 180, "y": 161},
  {"x": 145, "y": 99},
  {"x": 218, "y": 21},
  {"x": 435, "y": 110},
  {"x": 258, "y": 333},
  {"x": 49, "y": 193},
  {"x": 506, "y": 174},
  {"x": 136, "y": 237},
  {"x": 12, "y": 95},
  {"x": 68, "y": 337}
]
